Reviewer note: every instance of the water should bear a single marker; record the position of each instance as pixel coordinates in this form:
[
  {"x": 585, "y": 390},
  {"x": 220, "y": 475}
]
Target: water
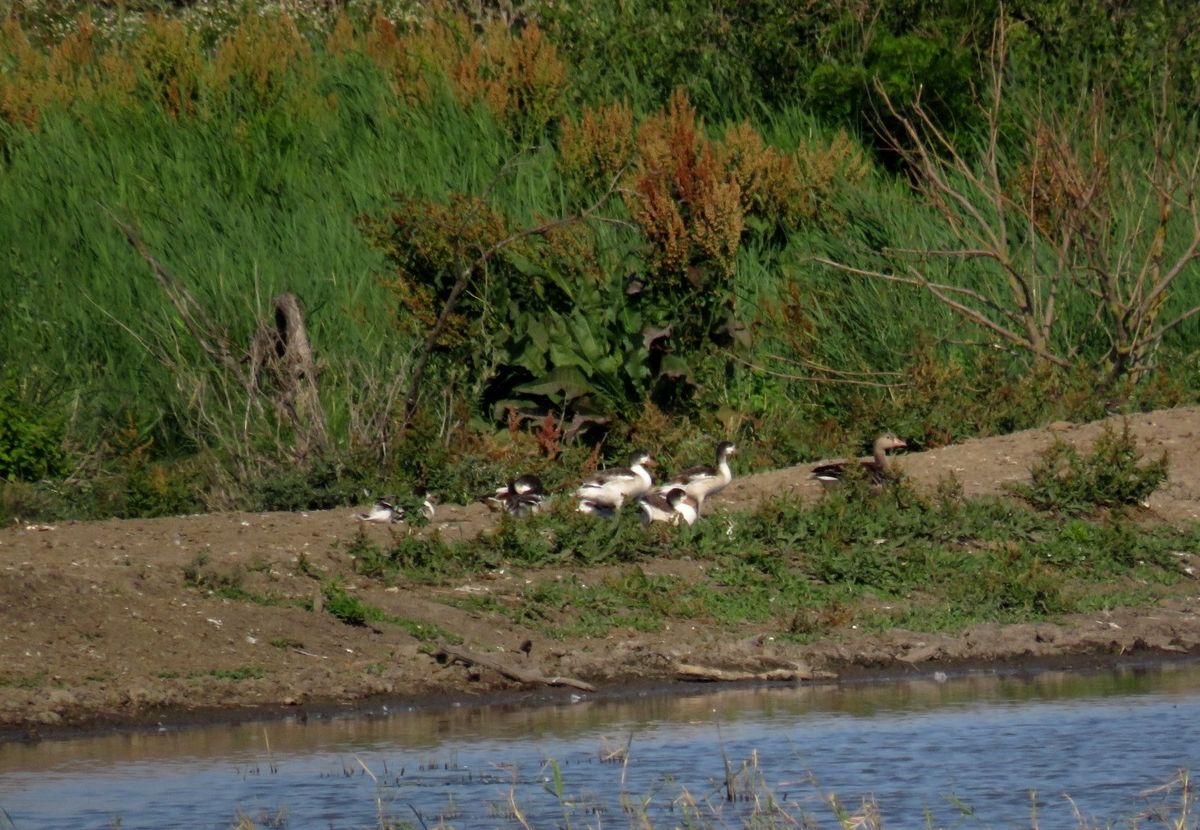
[{"x": 964, "y": 753}]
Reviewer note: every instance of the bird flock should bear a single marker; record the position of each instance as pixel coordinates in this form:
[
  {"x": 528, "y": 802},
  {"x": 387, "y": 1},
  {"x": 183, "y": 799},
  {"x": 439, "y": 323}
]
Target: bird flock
[{"x": 678, "y": 499}]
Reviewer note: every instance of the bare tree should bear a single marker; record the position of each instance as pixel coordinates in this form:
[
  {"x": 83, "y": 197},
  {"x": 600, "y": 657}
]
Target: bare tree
[{"x": 1065, "y": 214}]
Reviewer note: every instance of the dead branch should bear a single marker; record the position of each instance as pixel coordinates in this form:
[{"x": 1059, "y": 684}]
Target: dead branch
[
  {"x": 280, "y": 350},
  {"x": 1075, "y": 213},
  {"x": 278, "y": 367},
  {"x": 190, "y": 311},
  {"x": 942, "y": 292},
  {"x": 829, "y": 370},
  {"x": 844, "y": 381},
  {"x": 711, "y": 674},
  {"x": 447, "y": 654}
]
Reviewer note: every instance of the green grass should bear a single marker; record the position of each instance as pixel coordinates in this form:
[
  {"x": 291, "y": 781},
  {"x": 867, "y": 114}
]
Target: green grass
[
  {"x": 353, "y": 611},
  {"x": 1114, "y": 474},
  {"x": 286, "y": 643},
  {"x": 25, "y": 681},
  {"x": 877, "y": 560},
  {"x": 242, "y": 673},
  {"x": 201, "y": 574}
]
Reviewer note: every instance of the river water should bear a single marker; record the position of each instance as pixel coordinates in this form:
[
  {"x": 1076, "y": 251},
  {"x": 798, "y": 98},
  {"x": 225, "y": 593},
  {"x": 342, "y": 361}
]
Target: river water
[{"x": 1056, "y": 750}]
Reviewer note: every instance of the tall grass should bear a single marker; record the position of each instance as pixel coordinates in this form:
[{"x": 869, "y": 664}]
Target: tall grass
[
  {"x": 245, "y": 170},
  {"x": 236, "y": 211}
]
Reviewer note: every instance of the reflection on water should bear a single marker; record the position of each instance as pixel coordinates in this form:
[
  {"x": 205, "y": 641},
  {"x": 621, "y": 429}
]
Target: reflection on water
[{"x": 921, "y": 749}]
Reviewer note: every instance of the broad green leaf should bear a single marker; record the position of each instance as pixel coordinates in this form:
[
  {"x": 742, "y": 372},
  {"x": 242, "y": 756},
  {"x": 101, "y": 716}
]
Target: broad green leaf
[
  {"x": 561, "y": 354},
  {"x": 500, "y": 408},
  {"x": 532, "y": 358},
  {"x": 635, "y": 365},
  {"x": 585, "y": 340},
  {"x": 567, "y": 381},
  {"x": 537, "y": 332},
  {"x": 523, "y": 265}
]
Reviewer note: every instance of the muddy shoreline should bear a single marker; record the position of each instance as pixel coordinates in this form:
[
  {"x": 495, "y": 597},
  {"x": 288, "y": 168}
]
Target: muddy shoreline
[
  {"x": 182, "y": 718},
  {"x": 102, "y": 629}
]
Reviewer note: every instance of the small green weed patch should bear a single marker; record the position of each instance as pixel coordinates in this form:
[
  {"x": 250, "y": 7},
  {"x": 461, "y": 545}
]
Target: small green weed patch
[
  {"x": 1114, "y": 474},
  {"x": 202, "y": 574},
  {"x": 24, "y": 681},
  {"x": 353, "y": 611}
]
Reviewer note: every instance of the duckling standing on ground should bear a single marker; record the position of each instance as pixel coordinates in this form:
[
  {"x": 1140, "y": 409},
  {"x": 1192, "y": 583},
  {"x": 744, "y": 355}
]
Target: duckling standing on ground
[
  {"x": 521, "y": 497},
  {"x": 387, "y": 511},
  {"x": 383, "y": 511},
  {"x": 428, "y": 503}
]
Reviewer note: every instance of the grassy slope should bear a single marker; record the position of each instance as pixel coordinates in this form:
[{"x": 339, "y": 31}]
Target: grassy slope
[{"x": 244, "y": 200}]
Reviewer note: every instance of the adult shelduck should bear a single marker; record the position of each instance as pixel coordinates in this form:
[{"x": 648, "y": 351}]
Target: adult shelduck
[
  {"x": 701, "y": 482},
  {"x": 597, "y": 508},
  {"x": 672, "y": 507},
  {"x": 612, "y": 487},
  {"x": 877, "y": 470}
]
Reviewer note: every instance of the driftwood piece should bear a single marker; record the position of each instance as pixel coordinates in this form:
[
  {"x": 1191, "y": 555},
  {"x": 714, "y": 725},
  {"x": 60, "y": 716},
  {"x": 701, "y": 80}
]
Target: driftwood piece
[
  {"x": 452, "y": 654},
  {"x": 711, "y": 674},
  {"x": 281, "y": 360},
  {"x": 278, "y": 368}
]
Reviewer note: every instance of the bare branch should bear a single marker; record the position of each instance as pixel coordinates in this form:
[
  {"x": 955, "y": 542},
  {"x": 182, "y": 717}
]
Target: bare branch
[
  {"x": 812, "y": 364},
  {"x": 190, "y": 311},
  {"x": 923, "y": 282},
  {"x": 809, "y": 378},
  {"x": 1158, "y": 333},
  {"x": 987, "y": 323}
]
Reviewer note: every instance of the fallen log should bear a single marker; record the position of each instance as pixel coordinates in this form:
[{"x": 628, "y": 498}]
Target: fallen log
[
  {"x": 711, "y": 674},
  {"x": 451, "y": 654}
]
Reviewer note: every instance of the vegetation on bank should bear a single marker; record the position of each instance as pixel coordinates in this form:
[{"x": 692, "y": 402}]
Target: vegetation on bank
[
  {"x": 281, "y": 260},
  {"x": 872, "y": 558}
]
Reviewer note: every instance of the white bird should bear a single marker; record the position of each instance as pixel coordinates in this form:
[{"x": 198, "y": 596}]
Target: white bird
[
  {"x": 596, "y": 508},
  {"x": 382, "y": 512},
  {"x": 672, "y": 507},
  {"x": 612, "y": 487},
  {"x": 428, "y": 503},
  {"x": 701, "y": 482}
]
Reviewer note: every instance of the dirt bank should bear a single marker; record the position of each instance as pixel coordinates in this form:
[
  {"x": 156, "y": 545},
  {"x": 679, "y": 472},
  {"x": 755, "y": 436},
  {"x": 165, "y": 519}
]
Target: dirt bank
[{"x": 99, "y": 625}]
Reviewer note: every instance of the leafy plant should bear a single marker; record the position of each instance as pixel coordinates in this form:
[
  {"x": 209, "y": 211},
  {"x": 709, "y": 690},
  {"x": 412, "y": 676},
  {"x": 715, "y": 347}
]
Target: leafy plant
[
  {"x": 30, "y": 445},
  {"x": 316, "y": 484},
  {"x": 338, "y": 602},
  {"x": 1111, "y": 475}
]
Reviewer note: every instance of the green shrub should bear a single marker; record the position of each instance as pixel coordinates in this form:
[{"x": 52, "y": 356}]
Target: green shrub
[
  {"x": 30, "y": 443},
  {"x": 348, "y": 609},
  {"x": 318, "y": 484},
  {"x": 1111, "y": 475}
]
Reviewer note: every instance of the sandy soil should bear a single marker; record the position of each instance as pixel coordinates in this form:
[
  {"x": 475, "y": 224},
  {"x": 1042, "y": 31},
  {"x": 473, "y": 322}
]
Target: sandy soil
[{"x": 98, "y": 626}]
